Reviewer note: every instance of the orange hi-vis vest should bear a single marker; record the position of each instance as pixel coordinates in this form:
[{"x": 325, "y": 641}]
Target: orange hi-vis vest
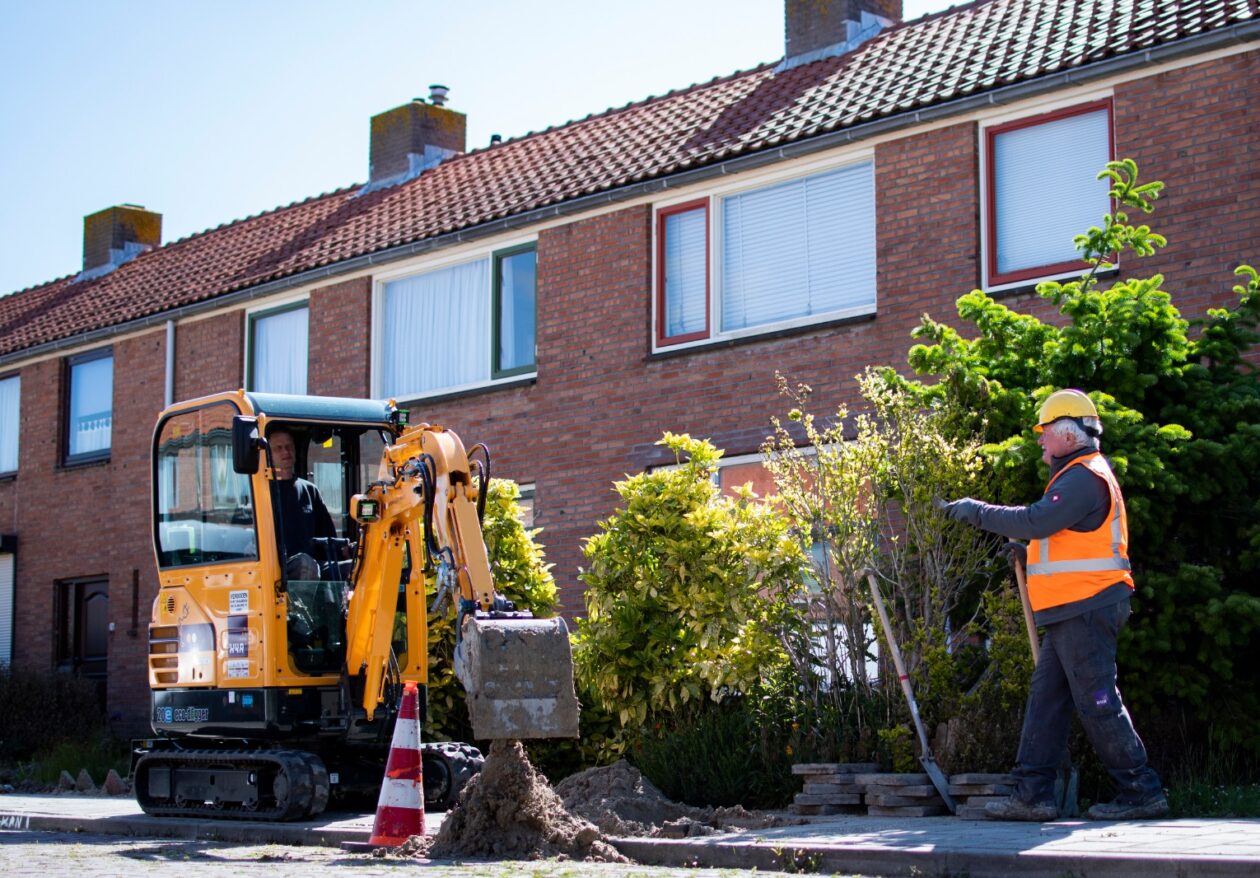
[{"x": 1070, "y": 565}]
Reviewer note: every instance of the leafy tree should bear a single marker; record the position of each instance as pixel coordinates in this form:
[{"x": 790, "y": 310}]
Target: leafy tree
[
  {"x": 1180, "y": 404},
  {"x": 678, "y": 608}
]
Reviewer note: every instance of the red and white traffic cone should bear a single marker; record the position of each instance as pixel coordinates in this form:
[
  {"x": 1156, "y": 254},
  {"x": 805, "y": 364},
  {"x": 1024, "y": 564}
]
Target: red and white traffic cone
[{"x": 400, "y": 809}]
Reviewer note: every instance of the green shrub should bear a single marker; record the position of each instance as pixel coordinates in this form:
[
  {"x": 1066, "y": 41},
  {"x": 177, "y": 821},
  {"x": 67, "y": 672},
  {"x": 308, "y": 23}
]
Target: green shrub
[
  {"x": 686, "y": 591},
  {"x": 714, "y": 753},
  {"x": 97, "y": 754},
  {"x": 41, "y": 709}
]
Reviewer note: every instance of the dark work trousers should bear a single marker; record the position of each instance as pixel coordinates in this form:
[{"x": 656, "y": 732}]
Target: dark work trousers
[{"x": 1077, "y": 668}]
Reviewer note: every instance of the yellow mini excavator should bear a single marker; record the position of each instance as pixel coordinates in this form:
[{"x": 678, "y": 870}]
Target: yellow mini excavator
[{"x": 276, "y": 670}]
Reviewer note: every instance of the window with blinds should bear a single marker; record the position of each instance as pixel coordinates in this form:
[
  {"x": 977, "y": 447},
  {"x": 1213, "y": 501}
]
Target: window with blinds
[
  {"x": 789, "y": 254},
  {"x": 1043, "y": 190}
]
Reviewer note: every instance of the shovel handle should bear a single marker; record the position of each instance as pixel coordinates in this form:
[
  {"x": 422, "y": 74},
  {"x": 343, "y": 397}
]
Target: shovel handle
[
  {"x": 897, "y": 662},
  {"x": 1022, "y": 581}
]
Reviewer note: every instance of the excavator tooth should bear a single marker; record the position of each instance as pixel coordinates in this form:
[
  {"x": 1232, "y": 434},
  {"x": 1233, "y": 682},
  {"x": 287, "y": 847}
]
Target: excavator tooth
[{"x": 518, "y": 673}]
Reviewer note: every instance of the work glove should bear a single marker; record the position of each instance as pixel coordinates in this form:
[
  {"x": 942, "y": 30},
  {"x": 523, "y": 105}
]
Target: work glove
[
  {"x": 965, "y": 510},
  {"x": 1017, "y": 551}
]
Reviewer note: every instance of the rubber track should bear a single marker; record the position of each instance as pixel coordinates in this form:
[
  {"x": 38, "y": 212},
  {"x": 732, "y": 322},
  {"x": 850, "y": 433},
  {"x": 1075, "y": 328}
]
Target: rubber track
[
  {"x": 458, "y": 761},
  {"x": 306, "y": 795}
]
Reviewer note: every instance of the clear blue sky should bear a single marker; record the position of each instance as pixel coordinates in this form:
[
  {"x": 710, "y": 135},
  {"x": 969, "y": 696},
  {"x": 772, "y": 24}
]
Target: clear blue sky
[{"x": 211, "y": 111}]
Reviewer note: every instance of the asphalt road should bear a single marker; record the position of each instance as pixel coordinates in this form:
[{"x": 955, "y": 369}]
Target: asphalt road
[{"x": 50, "y": 854}]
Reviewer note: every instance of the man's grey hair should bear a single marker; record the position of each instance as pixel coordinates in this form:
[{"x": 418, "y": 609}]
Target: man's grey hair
[{"x": 1069, "y": 428}]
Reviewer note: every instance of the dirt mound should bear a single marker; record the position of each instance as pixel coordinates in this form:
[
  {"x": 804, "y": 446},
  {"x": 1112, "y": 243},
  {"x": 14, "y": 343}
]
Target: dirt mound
[
  {"x": 510, "y": 811},
  {"x": 621, "y": 801}
]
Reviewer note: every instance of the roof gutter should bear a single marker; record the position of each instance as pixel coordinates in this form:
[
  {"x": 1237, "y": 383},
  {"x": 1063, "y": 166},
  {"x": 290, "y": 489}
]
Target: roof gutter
[{"x": 1243, "y": 32}]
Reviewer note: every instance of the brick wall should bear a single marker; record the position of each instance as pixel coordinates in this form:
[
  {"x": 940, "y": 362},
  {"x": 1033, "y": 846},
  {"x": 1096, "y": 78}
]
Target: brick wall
[
  {"x": 209, "y": 356},
  {"x": 340, "y": 329}
]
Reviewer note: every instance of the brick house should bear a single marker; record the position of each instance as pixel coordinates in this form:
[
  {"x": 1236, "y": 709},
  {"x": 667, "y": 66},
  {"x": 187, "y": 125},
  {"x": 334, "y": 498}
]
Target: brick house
[{"x": 568, "y": 295}]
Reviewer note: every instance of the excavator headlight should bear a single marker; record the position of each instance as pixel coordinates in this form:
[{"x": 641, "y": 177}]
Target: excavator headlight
[{"x": 400, "y": 418}]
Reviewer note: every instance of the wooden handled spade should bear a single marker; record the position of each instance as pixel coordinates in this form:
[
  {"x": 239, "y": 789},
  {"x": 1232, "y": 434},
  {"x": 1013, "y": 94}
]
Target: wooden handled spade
[{"x": 925, "y": 757}]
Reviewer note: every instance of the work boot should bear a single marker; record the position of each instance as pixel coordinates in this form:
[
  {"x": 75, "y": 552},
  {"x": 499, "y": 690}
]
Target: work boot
[
  {"x": 1013, "y": 809},
  {"x": 1118, "y": 810}
]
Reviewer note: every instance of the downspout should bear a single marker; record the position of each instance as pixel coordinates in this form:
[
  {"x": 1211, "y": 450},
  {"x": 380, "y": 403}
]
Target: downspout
[{"x": 170, "y": 363}]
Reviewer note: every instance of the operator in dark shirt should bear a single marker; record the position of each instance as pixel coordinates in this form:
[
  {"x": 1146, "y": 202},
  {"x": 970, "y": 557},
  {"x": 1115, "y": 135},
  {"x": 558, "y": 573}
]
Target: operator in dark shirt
[
  {"x": 302, "y": 512},
  {"x": 1079, "y": 584}
]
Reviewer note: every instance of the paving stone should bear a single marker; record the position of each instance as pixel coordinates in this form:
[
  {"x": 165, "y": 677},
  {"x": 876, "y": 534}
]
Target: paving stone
[
  {"x": 835, "y": 767},
  {"x": 908, "y": 811},
  {"x": 981, "y": 778},
  {"x": 889, "y": 800},
  {"x": 830, "y": 799},
  {"x": 981, "y": 789},
  {"x": 822, "y": 810},
  {"x": 824, "y": 789},
  {"x": 892, "y": 780},
  {"x": 921, "y": 790}
]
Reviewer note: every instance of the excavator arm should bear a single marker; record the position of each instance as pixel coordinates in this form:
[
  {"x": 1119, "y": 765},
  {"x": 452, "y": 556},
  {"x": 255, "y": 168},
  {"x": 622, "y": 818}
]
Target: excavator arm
[{"x": 517, "y": 670}]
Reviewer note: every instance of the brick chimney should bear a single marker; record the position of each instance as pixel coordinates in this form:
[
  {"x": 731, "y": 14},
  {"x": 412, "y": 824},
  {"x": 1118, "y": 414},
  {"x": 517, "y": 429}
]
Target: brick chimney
[
  {"x": 116, "y": 235},
  {"x": 414, "y": 137},
  {"x": 817, "y": 29}
]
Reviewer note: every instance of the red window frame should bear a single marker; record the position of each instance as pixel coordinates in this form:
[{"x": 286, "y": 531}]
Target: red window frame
[
  {"x": 994, "y": 277},
  {"x": 662, "y": 215}
]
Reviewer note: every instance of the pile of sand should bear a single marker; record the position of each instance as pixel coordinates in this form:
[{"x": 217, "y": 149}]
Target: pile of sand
[
  {"x": 509, "y": 811},
  {"x": 622, "y": 802}
]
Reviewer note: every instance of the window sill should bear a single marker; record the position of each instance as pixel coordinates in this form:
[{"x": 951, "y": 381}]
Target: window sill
[
  {"x": 739, "y": 341},
  {"x": 83, "y": 462},
  {"x": 1030, "y": 286},
  {"x": 464, "y": 393}
]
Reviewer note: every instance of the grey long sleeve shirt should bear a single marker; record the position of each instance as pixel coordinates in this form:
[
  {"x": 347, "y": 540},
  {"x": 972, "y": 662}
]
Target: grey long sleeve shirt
[{"x": 1077, "y": 500}]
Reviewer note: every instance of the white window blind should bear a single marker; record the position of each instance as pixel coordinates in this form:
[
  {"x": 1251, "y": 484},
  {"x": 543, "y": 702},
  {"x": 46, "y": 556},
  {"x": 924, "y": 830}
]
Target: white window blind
[
  {"x": 435, "y": 331},
  {"x": 6, "y": 608},
  {"x": 805, "y": 248},
  {"x": 1046, "y": 189},
  {"x": 280, "y": 347},
  {"x": 10, "y": 422},
  {"x": 685, "y": 254}
]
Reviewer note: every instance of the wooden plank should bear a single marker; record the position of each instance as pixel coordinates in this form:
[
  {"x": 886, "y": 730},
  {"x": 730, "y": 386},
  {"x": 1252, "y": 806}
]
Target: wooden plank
[
  {"x": 821, "y": 809},
  {"x": 969, "y": 812}
]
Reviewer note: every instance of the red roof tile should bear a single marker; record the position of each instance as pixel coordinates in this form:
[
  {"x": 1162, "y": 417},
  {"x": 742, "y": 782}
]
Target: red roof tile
[{"x": 941, "y": 57}]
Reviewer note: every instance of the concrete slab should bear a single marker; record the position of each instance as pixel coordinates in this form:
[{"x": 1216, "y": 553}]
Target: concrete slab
[{"x": 848, "y": 844}]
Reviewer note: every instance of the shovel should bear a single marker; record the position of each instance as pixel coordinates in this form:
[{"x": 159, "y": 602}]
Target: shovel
[
  {"x": 925, "y": 757},
  {"x": 1068, "y": 781}
]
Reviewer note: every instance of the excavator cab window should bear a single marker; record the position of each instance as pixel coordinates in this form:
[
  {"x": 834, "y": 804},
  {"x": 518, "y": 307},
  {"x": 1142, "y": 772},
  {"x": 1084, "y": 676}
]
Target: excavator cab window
[
  {"x": 205, "y": 509},
  {"x": 339, "y": 461}
]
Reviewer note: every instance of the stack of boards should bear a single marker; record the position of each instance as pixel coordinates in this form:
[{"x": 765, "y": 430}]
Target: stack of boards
[{"x": 859, "y": 787}]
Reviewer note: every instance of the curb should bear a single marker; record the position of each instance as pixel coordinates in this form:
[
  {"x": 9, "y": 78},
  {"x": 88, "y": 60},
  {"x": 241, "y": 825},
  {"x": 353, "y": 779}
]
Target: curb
[
  {"x": 863, "y": 859},
  {"x": 240, "y": 832}
]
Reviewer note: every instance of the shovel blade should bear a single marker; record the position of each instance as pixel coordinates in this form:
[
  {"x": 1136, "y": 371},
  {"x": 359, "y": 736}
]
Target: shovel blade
[
  {"x": 939, "y": 780},
  {"x": 518, "y": 675}
]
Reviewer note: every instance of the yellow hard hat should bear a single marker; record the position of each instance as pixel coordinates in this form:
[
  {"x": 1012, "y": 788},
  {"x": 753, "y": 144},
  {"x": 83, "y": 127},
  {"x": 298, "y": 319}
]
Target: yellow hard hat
[{"x": 1064, "y": 404}]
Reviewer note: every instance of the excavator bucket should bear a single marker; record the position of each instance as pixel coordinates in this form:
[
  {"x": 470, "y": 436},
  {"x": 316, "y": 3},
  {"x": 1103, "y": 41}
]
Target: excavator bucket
[{"x": 518, "y": 675}]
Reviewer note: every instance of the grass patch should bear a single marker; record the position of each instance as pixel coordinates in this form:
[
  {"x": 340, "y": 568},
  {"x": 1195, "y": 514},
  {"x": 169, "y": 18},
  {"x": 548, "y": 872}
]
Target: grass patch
[{"x": 1200, "y": 799}]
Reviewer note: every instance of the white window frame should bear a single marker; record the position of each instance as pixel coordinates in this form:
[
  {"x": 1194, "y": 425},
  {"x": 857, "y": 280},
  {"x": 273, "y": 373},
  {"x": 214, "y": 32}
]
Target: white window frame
[
  {"x": 454, "y": 259},
  {"x": 716, "y": 197},
  {"x": 262, "y": 311},
  {"x": 1033, "y": 115}
]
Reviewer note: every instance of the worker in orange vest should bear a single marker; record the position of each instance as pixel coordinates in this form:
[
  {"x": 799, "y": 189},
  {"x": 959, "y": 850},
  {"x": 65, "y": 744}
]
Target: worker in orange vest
[{"x": 1079, "y": 585}]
